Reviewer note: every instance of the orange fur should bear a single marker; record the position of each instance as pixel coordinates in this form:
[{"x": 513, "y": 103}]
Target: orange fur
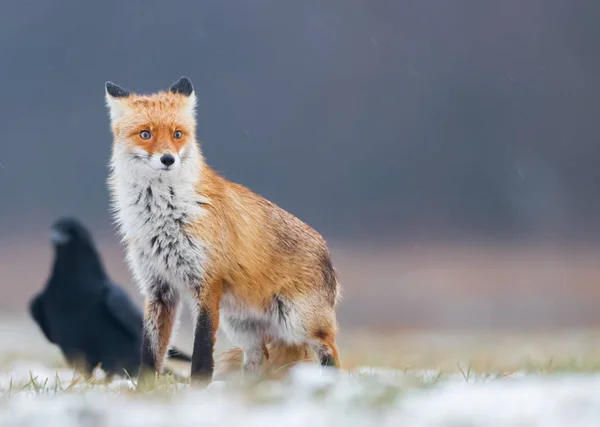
[{"x": 159, "y": 115}]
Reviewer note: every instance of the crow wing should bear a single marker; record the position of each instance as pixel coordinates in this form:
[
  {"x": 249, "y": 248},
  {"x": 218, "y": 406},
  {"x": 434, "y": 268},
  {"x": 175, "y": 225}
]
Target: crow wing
[
  {"x": 37, "y": 312},
  {"x": 123, "y": 311}
]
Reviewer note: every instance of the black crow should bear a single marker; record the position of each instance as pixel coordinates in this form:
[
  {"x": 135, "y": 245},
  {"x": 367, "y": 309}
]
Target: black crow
[{"x": 91, "y": 318}]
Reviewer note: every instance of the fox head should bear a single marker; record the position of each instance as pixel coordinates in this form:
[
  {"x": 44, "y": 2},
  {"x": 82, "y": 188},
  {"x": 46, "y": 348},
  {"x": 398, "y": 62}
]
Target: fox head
[{"x": 156, "y": 133}]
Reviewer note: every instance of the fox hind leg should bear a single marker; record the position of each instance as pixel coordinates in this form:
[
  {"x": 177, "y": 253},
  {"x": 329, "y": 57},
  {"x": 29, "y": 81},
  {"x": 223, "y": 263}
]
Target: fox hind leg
[
  {"x": 328, "y": 353},
  {"x": 320, "y": 335},
  {"x": 322, "y": 340},
  {"x": 290, "y": 319}
]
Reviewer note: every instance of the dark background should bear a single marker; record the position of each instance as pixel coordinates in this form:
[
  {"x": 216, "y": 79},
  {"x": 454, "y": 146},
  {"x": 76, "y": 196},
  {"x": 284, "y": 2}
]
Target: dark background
[{"x": 372, "y": 120}]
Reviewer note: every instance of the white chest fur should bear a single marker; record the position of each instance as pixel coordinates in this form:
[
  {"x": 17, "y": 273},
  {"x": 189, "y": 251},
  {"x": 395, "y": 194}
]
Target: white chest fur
[{"x": 153, "y": 215}]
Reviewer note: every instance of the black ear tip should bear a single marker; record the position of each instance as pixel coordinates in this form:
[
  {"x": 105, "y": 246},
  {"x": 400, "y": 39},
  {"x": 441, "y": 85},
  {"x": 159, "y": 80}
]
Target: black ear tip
[
  {"x": 184, "y": 80},
  {"x": 183, "y": 86},
  {"x": 115, "y": 91}
]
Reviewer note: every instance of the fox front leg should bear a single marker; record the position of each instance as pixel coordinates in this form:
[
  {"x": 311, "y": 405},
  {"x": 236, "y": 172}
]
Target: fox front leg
[
  {"x": 160, "y": 312},
  {"x": 205, "y": 334}
]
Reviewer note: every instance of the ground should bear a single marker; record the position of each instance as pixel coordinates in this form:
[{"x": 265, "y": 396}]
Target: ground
[{"x": 413, "y": 378}]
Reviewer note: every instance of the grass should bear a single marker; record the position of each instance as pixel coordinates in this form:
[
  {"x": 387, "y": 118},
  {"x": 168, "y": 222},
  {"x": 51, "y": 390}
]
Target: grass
[
  {"x": 404, "y": 378},
  {"x": 430, "y": 358},
  {"x": 381, "y": 378}
]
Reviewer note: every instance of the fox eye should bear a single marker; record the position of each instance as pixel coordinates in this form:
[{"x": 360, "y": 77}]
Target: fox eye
[
  {"x": 145, "y": 134},
  {"x": 177, "y": 134}
]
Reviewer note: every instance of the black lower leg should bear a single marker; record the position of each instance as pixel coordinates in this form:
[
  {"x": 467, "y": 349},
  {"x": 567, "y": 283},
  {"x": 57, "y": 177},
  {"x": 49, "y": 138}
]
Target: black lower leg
[
  {"x": 327, "y": 355},
  {"x": 202, "y": 355},
  {"x": 327, "y": 359}
]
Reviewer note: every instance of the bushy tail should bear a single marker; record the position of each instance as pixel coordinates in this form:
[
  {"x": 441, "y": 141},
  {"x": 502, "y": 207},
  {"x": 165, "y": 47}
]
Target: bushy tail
[{"x": 278, "y": 359}]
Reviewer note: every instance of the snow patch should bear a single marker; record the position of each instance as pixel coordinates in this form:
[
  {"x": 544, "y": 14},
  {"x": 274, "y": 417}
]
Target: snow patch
[{"x": 313, "y": 396}]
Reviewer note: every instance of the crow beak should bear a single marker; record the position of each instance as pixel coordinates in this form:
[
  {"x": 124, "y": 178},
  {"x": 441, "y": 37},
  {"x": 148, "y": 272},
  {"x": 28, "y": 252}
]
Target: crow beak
[{"x": 58, "y": 237}]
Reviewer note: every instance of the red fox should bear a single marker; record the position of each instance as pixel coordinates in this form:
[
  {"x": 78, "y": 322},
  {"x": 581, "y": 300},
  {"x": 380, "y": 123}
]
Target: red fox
[{"x": 242, "y": 262}]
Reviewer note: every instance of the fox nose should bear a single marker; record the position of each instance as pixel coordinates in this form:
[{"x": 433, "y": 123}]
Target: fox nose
[{"x": 167, "y": 159}]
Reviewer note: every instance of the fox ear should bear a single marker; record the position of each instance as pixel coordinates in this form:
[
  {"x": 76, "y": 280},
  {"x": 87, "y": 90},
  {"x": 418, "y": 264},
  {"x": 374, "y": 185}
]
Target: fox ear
[
  {"x": 114, "y": 95},
  {"x": 183, "y": 86},
  {"x": 116, "y": 91}
]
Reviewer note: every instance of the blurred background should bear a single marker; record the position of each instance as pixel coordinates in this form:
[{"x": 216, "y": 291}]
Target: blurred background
[{"x": 446, "y": 150}]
